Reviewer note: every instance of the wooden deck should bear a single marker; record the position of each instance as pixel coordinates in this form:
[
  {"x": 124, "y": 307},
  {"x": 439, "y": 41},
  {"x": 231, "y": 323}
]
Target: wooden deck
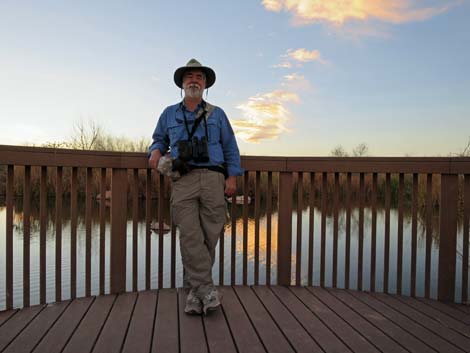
[{"x": 252, "y": 319}]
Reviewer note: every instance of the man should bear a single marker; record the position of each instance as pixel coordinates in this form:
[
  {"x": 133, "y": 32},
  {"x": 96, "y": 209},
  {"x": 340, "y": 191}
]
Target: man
[{"x": 205, "y": 153}]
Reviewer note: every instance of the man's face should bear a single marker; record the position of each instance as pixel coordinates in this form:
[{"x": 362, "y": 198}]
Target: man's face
[{"x": 194, "y": 83}]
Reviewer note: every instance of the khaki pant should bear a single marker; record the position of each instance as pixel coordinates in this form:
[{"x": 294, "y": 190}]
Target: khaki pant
[{"x": 199, "y": 209}]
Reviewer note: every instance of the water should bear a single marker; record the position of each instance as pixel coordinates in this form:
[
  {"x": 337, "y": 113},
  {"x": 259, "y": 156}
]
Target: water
[{"x": 50, "y": 251}]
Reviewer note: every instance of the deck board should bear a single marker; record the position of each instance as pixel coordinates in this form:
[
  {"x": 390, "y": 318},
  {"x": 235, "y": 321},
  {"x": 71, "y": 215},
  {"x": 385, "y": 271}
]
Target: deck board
[
  {"x": 59, "y": 334},
  {"x": 13, "y": 327},
  {"x": 86, "y": 334},
  {"x": 34, "y": 332},
  {"x": 251, "y": 319},
  {"x": 166, "y": 333}
]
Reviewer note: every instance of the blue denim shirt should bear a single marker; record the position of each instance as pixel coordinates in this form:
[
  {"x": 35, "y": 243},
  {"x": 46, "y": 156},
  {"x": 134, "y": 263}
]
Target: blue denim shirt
[{"x": 222, "y": 145}]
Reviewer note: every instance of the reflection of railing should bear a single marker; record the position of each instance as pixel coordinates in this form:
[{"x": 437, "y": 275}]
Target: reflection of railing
[{"x": 124, "y": 174}]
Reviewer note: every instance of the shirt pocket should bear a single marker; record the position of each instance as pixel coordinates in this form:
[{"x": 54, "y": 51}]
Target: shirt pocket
[
  {"x": 214, "y": 132},
  {"x": 176, "y": 133}
]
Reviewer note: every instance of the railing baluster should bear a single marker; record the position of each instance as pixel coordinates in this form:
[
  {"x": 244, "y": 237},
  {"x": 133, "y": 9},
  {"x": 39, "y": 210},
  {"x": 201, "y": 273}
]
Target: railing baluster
[
  {"x": 387, "y": 231},
  {"x": 233, "y": 251},
  {"x": 161, "y": 192},
  {"x": 284, "y": 233},
  {"x": 347, "y": 261},
  {"x": 257, "y": 212},
  {"x": 335, "y": 230},
  {"x": 26, "y": 235},
  {"x": 173, "y": 255},
  {"x": 324, "y": 197},
  {"x": 373, "y": 250},
  {"x": 135, "y": 224},
  {"x": 58, "y": 240},
  {"x": 401, "y": 187},
  {"x": 448, "y": 237},
  {"x": 466, "y": 220},
  {"x": 311, "y": 224},
  {"x": 360, "y": 259},
  {"x": 73, "y": 233},
  {"x": 42, "y": 234},
  {"x": 427, "y": 277},
  {"x": 245, "y": 228},
  {"x": 298, "y": 259},
  {"x": 9, "y": 238},
  {"x": 414, "y": 234},
  {"x": 148, "y": 230},
  {"x": 102, "y": 229},
  {"x": 221, "y": 256},
  {"x": 118, "y": 230},
  {"x": 269, "y": 201},
  {"x": 88, "y": 209}
]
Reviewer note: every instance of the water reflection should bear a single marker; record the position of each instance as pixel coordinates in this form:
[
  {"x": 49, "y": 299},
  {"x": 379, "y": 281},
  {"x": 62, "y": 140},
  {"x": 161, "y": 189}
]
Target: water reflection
[{"x": 263, "y": 241}]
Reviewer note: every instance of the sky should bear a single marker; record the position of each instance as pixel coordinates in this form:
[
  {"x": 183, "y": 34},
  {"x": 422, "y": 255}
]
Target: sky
[{"x": 295, "y": 77}]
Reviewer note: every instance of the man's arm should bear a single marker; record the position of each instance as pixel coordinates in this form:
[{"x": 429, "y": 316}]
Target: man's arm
[{"x": 160, "y": 142}]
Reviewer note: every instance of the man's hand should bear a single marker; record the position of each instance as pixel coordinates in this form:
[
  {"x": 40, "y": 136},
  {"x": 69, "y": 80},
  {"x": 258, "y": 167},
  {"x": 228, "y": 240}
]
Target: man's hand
[
  {"x": 230, "y": 185},
  {"x": 154, "y": 158}
]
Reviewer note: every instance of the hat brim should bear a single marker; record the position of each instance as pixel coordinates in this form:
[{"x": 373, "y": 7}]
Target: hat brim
[{"x": 210, "y": 75}]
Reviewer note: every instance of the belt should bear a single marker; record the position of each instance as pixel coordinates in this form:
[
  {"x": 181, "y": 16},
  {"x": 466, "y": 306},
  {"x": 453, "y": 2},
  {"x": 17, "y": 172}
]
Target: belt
[{"x": 214, "y": 168}]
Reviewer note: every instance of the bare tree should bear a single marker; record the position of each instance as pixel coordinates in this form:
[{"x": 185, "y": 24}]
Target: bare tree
[
  {"x": 339, "y": 151},
  {"x": 85, "y": 136},
  {"x": 360, "y": 150}
]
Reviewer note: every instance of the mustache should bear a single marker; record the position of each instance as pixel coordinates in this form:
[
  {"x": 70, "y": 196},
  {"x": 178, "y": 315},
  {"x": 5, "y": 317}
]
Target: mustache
[{"x": 193, "y": 85}]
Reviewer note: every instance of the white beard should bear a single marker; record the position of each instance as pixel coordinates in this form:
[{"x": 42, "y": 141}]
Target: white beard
[{"x": 193, "y": 91}]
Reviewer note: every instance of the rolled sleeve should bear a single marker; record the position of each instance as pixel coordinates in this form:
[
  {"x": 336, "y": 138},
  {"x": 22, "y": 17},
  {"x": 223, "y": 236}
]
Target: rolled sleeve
[
  {"x": 230, "y": 148},
  {"x": 160, "y": 137}
]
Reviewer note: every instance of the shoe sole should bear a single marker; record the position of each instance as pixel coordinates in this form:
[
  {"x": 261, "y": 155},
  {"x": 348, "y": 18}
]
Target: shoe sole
[
  {"x": 193, "y": 312},
  {"x": 208, "y": 309}
]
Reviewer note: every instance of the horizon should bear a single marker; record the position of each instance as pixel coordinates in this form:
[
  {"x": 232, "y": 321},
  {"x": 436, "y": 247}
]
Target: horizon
[{"x": 295, "y": 78}]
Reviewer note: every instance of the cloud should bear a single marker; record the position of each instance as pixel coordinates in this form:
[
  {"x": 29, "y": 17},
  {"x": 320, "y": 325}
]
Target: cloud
[
  {"x": 304, "y": 55},
  {"x": 299, "y": 57},
  {"x": 283, "y": 65},
  {"x": 337, "y": 12},
  {"x": 296, "y": 82},
  {"x": 264, "y": 116}
]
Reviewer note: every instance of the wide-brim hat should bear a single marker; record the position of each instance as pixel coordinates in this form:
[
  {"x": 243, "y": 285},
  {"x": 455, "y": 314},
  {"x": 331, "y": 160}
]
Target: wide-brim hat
[{"x": 193, "y": 64}]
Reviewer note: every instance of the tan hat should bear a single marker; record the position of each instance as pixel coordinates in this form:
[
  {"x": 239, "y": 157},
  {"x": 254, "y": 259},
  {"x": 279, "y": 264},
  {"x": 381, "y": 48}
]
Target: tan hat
[{"x": 193, "y": 64}]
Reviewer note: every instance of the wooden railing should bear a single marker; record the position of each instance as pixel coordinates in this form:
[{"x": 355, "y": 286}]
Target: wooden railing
[{"x": 297, "y": 182}]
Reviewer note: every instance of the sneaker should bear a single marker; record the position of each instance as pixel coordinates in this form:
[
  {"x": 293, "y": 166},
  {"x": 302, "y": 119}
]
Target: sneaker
[
  {"x": 193, "y": 304},
  {"x": 211, "y": 301}
]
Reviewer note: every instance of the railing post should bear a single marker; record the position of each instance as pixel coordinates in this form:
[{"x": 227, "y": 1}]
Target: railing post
[
  {"x": 118, "y": 230},
  {"x": 284, "y": 233},
  {"x": 448, "y": 237}
]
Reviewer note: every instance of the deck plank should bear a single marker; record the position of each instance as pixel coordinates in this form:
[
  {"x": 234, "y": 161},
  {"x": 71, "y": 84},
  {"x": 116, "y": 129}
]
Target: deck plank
[
  {"x": 89, "y": 328},
  {"x": 57, "y": 337},
  {"x": 438, "y": 315},
  {"x": 346, "y": 333},
  {"x": 298, "y": 337},
  {"x": 270, "y": 334},
  {"x": 11, "y": 328},
  {"x": 449, "y": 310},
  {"x": 219, "y": 337},
  {"x": 431, "y": 324},
  {"x": 115, "y": 328},
  {"x": 31, "y": 335},
  {"x": 418, "y": 331},
  {"x": 383, "y": 342},
  {"x": 245, "y": 336},
  {"x": 325, "y": 338},
  {"x": 192, "y": 336},
  {"x": 378, "y": 320},
  {"x": 5, "y": 315},
  {"x": 166, "y": 333},
  {"x": 139, "y": 335}
]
